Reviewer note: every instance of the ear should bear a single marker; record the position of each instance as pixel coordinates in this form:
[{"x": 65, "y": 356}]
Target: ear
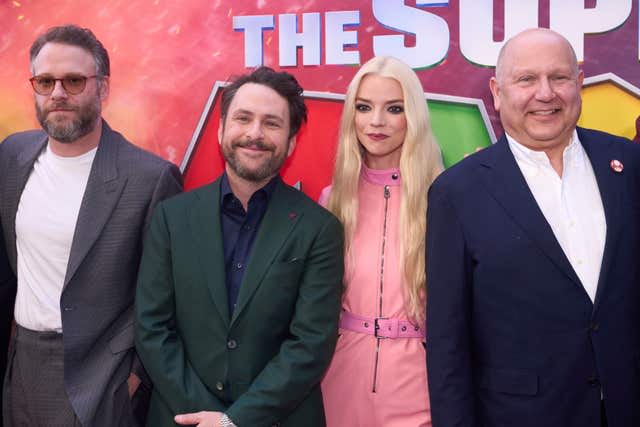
[
  {"x": 580, "y": 79},
  {"x": 103, "y": 88},
  {"x": 220, "y": 130},
  {"x": 495, "y": 91},
  {"x": 292, "y": 145}
]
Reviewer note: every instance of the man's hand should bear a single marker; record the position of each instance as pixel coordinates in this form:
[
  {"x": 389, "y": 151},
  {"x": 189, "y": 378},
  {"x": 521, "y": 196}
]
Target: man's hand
[
  {"x": 133, "y": 382},
  {"x": 199, "y": 419}
]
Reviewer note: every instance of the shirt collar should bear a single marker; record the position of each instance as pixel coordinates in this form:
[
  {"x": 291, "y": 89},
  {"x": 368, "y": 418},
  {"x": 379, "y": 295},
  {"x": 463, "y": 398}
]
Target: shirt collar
[
  {"x": 538, "y": 158},
  {"x": 266, "y": 191}
]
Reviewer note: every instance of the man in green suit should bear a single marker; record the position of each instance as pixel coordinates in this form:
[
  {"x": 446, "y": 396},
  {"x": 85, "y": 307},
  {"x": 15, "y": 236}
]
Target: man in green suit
[{"x": 239, "y": 287}]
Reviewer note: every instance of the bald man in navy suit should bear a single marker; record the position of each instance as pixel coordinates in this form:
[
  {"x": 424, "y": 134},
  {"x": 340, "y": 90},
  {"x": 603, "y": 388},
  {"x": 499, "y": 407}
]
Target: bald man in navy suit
[{"x": 533, "y": 277}]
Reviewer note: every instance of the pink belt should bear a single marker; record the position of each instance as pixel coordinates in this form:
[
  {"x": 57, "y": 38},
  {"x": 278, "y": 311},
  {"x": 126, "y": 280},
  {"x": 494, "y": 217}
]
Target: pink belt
[{"x": 380, "y": 327}]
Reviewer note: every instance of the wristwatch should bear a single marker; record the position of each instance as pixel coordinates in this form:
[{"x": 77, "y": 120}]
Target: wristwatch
[{"x": 225, "y": 421}]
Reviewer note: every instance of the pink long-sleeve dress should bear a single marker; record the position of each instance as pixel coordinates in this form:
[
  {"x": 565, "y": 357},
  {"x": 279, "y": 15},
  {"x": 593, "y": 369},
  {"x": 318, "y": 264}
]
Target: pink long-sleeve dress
[{"x": 375, "y": 382}]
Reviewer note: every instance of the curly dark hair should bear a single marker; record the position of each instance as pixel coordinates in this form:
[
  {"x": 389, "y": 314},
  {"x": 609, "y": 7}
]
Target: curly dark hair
[{"x": 282, "y": 82}]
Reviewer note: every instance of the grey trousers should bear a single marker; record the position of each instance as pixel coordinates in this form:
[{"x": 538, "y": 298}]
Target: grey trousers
[{"x": 34, "y": 393}]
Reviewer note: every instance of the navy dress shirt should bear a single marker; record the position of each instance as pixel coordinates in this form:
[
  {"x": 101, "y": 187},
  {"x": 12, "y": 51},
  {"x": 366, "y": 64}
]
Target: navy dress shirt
[{"x": 239, "y": 229}]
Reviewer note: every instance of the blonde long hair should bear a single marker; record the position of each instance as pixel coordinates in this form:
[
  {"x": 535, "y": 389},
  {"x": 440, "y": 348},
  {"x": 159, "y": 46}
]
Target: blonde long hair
[{"x": 420, "y": 163}]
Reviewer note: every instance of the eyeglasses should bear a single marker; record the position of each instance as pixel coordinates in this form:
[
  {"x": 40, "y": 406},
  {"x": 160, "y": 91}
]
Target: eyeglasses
[{"x": 73, "y": 84}]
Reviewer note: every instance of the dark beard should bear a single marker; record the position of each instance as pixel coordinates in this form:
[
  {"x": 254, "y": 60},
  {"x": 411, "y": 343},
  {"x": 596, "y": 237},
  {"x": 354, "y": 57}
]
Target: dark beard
[
  {"x": 268, "y": 169},
  {"x": 69, "y": 131}
]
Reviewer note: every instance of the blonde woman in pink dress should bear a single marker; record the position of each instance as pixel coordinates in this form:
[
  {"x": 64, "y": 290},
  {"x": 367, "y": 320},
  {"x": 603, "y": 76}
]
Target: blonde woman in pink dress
[{"x": 387, "y": 158}]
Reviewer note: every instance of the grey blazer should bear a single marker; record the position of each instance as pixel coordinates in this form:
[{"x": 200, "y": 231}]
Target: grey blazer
[
  {"x": 124, "y": 185},
  {"x": 7, "y": 296}
]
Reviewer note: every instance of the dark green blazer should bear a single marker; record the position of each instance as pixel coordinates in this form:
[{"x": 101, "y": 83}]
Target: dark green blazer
[{"x": 263, "y": 364}]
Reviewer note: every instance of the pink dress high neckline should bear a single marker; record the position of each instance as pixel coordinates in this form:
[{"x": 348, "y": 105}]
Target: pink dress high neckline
[
  {"x": 381, "y": 176},
  {"x": 387, "y": 384}
]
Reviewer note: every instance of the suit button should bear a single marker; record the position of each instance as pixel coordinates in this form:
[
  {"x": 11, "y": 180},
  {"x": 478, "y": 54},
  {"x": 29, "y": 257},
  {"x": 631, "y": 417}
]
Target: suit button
[
  {"x": 69, "y": 308},
  {"x": 219, "y": 386},
  {"x": 595, "y": 326},
  {"x": 231, "y": 344},
  {"x": 593, "y": 381}
]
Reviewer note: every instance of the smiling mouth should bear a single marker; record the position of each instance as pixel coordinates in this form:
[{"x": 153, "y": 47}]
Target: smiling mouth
[
  {"x": 545, "y": 112},
  {"x": 253, "y": 150}
]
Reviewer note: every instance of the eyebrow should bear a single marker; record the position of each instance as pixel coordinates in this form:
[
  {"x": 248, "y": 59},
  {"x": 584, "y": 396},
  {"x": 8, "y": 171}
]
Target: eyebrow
[
  {"x": 529, "y": 70},
  {"x": 391, "y": 101},
  {"x": 251, "y": 113},
  {"x": 51, "y": 75}
]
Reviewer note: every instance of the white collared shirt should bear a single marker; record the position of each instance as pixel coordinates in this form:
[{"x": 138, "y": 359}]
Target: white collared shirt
[
  {"x": 45, "y": 226},
  {"x": 571, "y": 205}
]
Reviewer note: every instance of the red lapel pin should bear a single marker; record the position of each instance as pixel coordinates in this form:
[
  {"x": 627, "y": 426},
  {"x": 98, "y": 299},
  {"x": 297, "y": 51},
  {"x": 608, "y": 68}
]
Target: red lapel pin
[
  {"x": 616, "y": 165},
  {"x": 292, "y": 215}
]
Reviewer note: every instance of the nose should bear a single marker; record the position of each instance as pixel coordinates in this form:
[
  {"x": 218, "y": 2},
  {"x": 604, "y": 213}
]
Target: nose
[
  {"x": 58, "y": 91},
  {"x": 545, "y": 90},
  {"x": 378, "y": 117},
  {"x": 254, "y": 130}
]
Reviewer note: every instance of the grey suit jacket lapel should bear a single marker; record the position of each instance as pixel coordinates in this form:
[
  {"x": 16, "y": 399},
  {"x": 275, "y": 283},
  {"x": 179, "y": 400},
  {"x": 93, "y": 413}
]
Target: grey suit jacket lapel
[
  {"x": 504, "y": 180},
  {"x": 16, "y": 181},
  {"x": 101, "y": 196}
]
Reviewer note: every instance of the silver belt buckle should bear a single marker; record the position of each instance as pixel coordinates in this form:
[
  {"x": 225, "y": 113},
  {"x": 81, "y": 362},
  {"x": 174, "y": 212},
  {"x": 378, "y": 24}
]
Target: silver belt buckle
[{"x": 376, "y": 327}]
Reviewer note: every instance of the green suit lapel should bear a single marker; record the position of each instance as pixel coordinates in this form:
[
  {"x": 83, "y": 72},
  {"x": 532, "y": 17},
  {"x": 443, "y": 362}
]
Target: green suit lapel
[
  {"x": 278, "y": 222},
  {"x": 207, "y": 237}
]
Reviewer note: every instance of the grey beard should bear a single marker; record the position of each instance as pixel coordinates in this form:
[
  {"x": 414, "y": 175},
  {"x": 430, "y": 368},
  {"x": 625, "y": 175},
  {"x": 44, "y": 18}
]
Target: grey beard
[{"x": 70, "y": 131}]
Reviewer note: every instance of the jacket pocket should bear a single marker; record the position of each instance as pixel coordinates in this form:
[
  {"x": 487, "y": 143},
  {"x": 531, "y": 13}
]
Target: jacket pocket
[
  {"x": 509, "y": 381},
  {"x": 286, "y": 270}
]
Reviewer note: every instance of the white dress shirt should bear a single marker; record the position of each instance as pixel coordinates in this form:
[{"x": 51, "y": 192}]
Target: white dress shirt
[
  {"x": 45, "y": 225},
  {"x": 571, "y": 205}
]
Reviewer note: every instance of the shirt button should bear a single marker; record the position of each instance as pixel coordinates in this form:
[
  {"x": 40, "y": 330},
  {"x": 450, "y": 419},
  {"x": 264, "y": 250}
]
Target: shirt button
[
  {"x": 595, "y": 326},
  {"x": 579, "y": 262},
  {"x": 219, "y": 386},
  {"x": 231, "y": 344}
]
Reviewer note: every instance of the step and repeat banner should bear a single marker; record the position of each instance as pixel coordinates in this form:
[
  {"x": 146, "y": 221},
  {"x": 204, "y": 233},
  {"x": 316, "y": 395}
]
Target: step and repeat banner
[{"x": 170, "y": 60}]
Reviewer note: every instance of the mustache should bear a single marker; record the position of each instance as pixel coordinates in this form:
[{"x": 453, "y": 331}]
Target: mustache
[
  {"x": 60, "y": 106},
  {"x": 255, "y": 143}
]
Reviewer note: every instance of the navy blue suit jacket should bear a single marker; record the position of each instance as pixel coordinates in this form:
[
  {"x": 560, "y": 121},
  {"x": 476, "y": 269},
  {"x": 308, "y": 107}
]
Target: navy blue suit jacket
[{"x": 513, "y": 339}]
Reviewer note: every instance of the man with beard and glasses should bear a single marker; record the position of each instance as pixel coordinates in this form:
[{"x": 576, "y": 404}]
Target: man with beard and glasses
[
  {"x": 75, "y": 200},
  {"x": 240, "y": 281}
]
